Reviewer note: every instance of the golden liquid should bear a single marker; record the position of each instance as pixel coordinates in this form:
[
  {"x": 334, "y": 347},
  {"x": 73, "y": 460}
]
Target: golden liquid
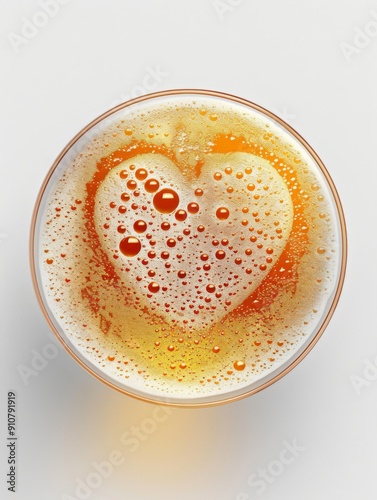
[{"x": 189, "y": 249}]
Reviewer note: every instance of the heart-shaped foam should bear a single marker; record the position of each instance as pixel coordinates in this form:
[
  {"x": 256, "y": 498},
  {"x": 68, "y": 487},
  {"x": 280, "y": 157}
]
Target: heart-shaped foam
[{"x": 193, "y": 248}]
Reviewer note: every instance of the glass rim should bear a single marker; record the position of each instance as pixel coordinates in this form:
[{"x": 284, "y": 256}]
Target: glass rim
[{"x": 342, "y": 241}]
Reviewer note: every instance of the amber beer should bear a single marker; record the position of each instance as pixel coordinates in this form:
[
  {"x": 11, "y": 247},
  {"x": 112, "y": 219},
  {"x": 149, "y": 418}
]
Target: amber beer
[{"x": 191, "y": 251}]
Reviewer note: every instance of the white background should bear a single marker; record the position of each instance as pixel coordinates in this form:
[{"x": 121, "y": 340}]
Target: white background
[{"x": 286, "y": 56}]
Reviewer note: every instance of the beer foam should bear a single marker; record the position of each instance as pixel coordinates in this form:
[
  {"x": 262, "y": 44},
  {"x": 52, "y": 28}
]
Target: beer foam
[{"x": 189, "y": 249}]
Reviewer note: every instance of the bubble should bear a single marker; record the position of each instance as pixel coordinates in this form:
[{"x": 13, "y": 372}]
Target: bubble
[
  {"x": 131, "y": 184},
  {"x": 121, "y": 229},
  {"x": 153, "y": 287},
  {"x": 141, "y": 174},
  {"x": 49, "y": 261},
  {"x": 269, "y": 250},
  {"x": 165, "y": 255},
  {"x": 171, "y": 348},
  {"x": 130, "y": 246},
  {"x": 140, "y": 226},
  {"x": 204, "y": 257},
  {"x": 198, "y": 192},
  {"x": 251, "y": 187},
  {"x": 210, "y": 288},
  {"x": 321, "y": 250},
  {"x": 128, "y": 131},
  {"x": 200, "y": 228},
  {"x": 193, "y": 208},
  {"x": 123, "y": 174},
  {"x": 220, "y": 254},
  {"x": 182, "y": 365},
  {"x": 222, "y": 213},
  {"x": 217, "y": 176},
  {"x": 151, "y": 185},
  {"x": 165, "y": 226},
  {"x": 239, "y": 366},
  {"x": 181, "y": 215},
  {"x": 166, "y": 201},
  {"x": 151, "y": 254},
  {"x": 216, "y": 349},
  {"x": 125, "y": 197},
  {"x": 238, "y": 261},
  {"x": 228, "y": 170},
  {"x": 181, "y": 274},
  {"x": 122, "y": 209},
  {"x": 171, "y": 242}
]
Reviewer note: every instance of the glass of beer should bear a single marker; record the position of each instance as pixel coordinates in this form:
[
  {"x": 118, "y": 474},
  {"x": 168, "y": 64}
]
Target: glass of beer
[{"x": 188, "y": 247}]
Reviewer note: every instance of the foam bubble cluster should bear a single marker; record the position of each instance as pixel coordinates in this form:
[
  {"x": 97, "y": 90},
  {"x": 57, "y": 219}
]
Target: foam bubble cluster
[{"x": 189, "y": 249}]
